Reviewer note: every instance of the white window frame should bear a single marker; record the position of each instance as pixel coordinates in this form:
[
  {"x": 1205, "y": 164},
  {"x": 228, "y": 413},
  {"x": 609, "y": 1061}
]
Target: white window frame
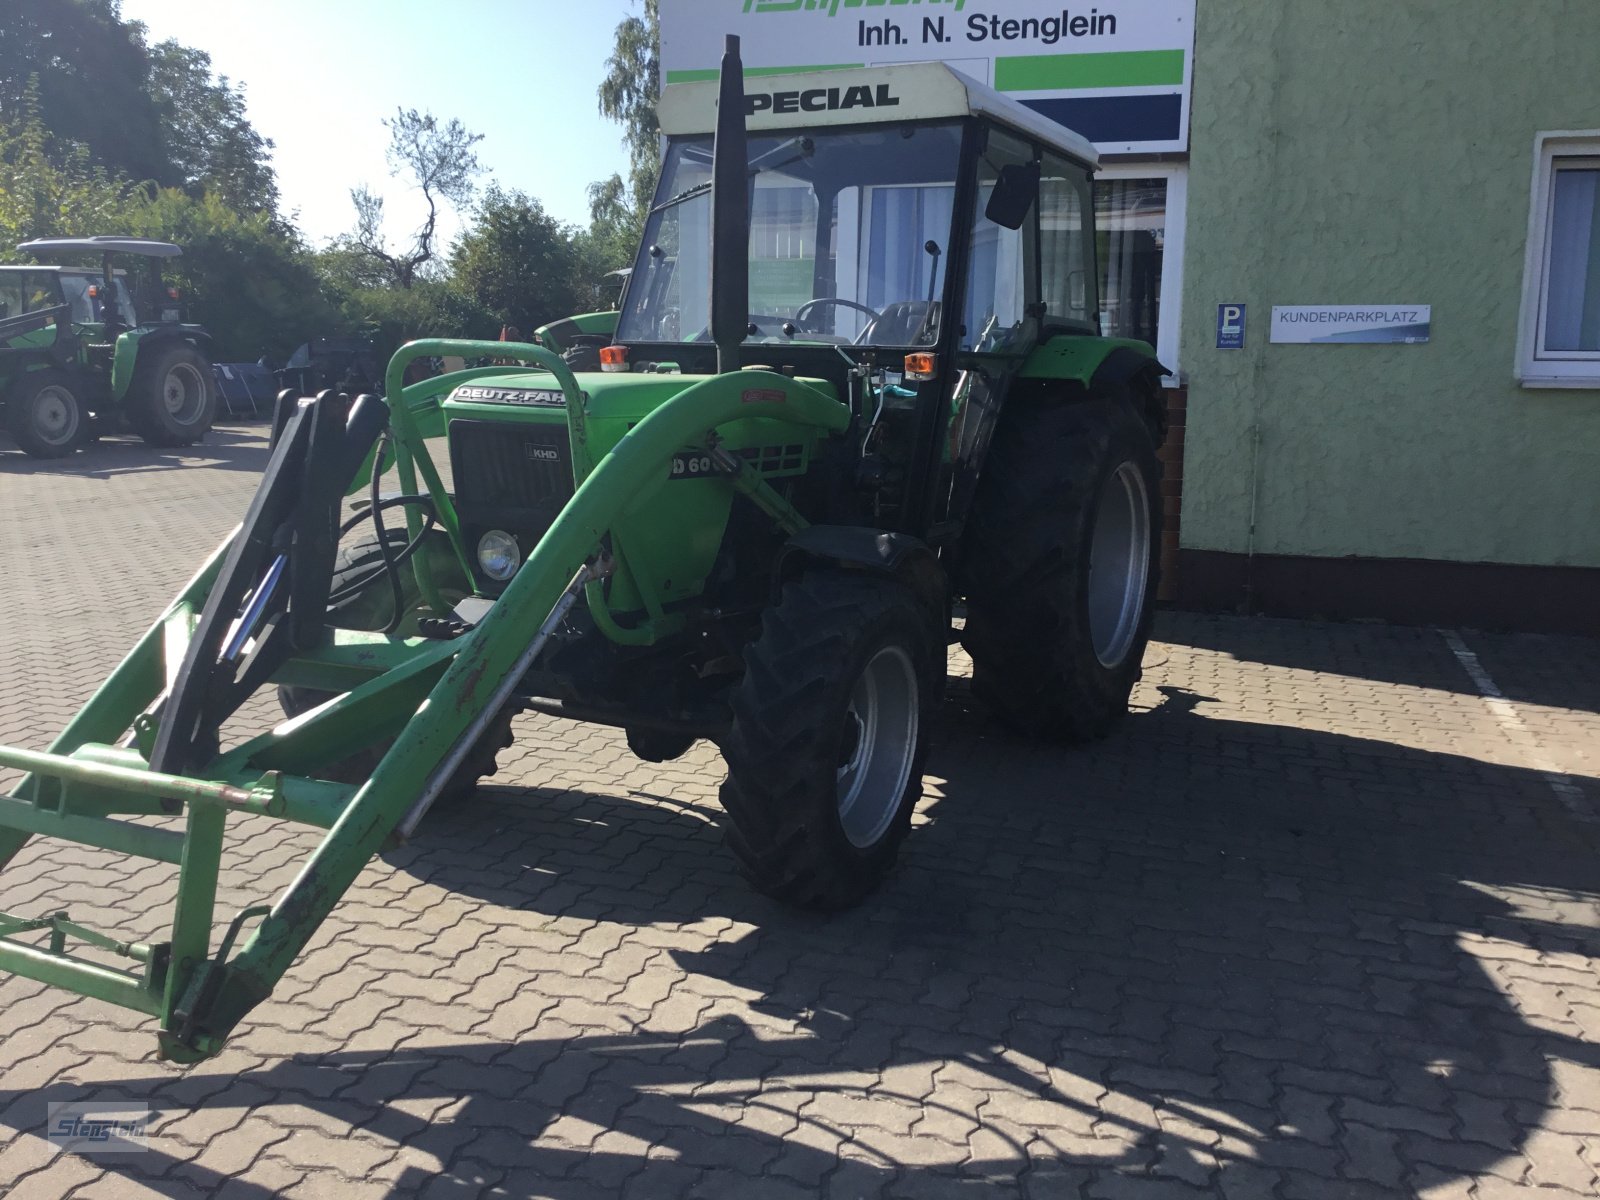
[
  {"x": 1534, "y": 368},
  {"x": 1177, "y": 177}
]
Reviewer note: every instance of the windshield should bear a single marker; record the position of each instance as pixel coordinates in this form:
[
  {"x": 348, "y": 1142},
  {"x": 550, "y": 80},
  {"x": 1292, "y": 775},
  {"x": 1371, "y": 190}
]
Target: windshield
[
  {"x": 849, "y": 236},
  {"x": 85, "y": 293}
]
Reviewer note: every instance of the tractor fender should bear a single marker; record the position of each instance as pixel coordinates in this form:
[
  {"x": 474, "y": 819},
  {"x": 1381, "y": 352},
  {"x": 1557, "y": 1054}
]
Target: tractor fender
[
  {"x": 1102, "y": 366},
  {"x": 897, "y": 555},
  {"x": 1082, "y": 358},
  {"x": 125, "y": 358},
  {"x": 570, "y": 331}
]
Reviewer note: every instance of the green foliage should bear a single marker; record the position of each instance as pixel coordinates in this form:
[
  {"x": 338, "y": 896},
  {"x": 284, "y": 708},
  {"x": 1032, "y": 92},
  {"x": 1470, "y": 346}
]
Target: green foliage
[
  {"x": 90, "y": 73},
  {"x": 617, "y": 207},
  {"x": 207, "y": 136},
  {"x": 429, "y": 308},
  {"x": 628, "y": 96},
  {"x": 250, "y": 283},
  {"x": 518, "y": 262},
  {"x": 607, "y": 246},
  {"x": 40, "y": 197},
  {"x": 102, "y": 133}
]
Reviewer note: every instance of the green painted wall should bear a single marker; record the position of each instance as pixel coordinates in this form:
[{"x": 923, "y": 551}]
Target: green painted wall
[{"x": 1378, "y": 152}]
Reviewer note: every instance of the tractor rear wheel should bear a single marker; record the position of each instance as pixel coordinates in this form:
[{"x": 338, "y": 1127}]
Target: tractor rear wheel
[
  {"x": 45, "y": 414},
  {"x": 371, "y": 609},
  {"x": 173, "y": 398},
  {"x": 830, "y": 728},
  {"x": 1059, "y": 564}
]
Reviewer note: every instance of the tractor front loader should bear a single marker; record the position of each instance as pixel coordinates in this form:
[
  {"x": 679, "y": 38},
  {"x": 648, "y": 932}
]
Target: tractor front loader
[
  {"x": 256, "y": 612},
  {"x": 855, "y": 407}
]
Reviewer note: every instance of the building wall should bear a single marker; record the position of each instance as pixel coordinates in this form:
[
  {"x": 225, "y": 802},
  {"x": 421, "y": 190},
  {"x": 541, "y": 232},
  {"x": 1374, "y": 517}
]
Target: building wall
[{"x": 1374, "y": 152}]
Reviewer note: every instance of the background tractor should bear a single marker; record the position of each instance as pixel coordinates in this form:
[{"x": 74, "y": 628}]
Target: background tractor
[
  {"x": 855, "y": 389},
  {"x": 85, "y": 351}
]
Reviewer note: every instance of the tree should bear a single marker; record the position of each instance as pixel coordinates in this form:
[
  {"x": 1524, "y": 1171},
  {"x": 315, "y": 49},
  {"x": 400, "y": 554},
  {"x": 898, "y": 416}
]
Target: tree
[
  {"x": 252, "y": 284},
  {"x": 607, "y": 246},
  {"x": 628, "y": 96},
  {"x": 617, "y": 207},
  {"x": 433, "y": 308},
  {"x": 517, "y": 261},
  {"x": 90, "y": 74},
  {"x": 40, "y": 197},
  {"x": 440, "y": 159},
  {"x": 208, "y": 138}
]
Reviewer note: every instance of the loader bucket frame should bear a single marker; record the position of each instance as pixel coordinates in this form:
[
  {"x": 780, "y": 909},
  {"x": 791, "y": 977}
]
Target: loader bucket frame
[{"x": 133, "y": 751}]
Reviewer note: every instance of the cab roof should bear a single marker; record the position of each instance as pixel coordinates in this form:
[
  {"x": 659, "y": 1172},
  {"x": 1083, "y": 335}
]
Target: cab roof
[
  {"x": 55, "y": 269},
  {"x": 860, "y": 96},
  {"x": 102, "y": 244},
  {"x": 58, "y": 269}
]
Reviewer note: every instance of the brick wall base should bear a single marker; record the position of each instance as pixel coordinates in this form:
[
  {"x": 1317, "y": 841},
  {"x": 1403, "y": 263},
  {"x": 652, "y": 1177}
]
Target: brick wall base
[
  {"x": 1405, "y": 591},
  {"x": 1171, "y": 456}
]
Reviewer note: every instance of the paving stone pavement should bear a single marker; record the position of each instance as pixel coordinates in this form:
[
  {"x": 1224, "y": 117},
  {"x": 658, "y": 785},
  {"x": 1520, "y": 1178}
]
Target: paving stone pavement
[{"x": 1315, "y": 922}]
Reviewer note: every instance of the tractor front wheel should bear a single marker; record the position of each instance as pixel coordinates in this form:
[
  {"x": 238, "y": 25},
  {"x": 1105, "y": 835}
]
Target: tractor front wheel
[
  {"x": 1059, "y": 566},
  {"x": 45, "y": 414},
  {"x": 830, "y": 728},
  {"x": 173, "y": 398}
]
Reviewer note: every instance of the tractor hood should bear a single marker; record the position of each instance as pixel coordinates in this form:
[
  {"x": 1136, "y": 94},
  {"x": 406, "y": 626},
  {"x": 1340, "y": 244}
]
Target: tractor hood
[{"x": 535, "y": 396}]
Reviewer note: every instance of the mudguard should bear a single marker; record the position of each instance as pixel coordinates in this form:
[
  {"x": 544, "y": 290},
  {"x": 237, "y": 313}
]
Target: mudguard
[
  {"x": 1091, "y": 361},
  {"x": 564, "y": 334},
  {"x": 898, "y": 555},
  {"x": 1101, "y": 366},
  {"x": 125, "y": 359}
]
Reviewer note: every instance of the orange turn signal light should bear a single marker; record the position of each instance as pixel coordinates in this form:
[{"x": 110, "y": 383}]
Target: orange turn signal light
[
  {"x": 613, "y": 358},
  {"x": 921, "y": 366}
]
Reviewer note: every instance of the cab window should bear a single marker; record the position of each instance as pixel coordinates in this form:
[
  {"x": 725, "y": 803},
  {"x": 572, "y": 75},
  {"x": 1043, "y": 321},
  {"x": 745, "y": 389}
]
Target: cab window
[
  {"x": 1066, "y": 246},
  {"x": 1002, "y": 267},
  {"x": 75, "y": 288}
]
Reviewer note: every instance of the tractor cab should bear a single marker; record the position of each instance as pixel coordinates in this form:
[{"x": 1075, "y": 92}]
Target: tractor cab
[
  {"x": 913, "y": 237},
  {"x": 142, "y": 299}
]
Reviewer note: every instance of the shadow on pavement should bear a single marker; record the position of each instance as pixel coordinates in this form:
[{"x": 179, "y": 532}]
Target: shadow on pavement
[
  {"x": 1205, "y": 951},
  {"x": 232, "y": 448},
  {"x": 1546, "y": 669}
]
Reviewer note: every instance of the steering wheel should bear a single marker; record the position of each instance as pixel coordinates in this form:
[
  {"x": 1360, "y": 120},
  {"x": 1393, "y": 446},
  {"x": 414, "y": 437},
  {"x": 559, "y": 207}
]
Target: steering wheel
[{"x": 801, "y": 312}]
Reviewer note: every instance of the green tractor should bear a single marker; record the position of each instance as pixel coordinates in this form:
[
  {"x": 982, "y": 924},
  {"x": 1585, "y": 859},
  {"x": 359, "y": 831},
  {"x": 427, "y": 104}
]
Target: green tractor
[
  {"x": 80, "y": 354},
  {"x": 855, "y": 407}
]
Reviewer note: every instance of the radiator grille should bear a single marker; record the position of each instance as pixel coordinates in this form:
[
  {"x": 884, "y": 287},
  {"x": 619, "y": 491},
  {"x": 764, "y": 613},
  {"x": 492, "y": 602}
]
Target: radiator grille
[
  {"x": 501, "y": 466},
  {"x": 776, "y": 460}
]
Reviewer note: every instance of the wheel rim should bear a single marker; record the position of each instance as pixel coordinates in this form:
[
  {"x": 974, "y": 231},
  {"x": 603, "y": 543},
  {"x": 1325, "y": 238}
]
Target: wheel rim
[
  {"x": 55, "y": 415},
  {"x": 1119, "y": 564},
  {"x": 880, "y": 742},
  {"x": 183, "y": 393}
]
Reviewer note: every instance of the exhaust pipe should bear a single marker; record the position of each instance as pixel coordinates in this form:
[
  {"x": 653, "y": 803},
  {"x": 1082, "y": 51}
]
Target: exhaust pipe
[{"x": 730, "y": 215}]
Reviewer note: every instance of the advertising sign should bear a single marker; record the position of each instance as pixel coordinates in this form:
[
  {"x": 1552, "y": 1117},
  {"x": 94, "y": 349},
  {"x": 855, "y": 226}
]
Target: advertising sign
[
  {"x": 1304, "y": 324},
  {"x": 1116, "y": 71}
]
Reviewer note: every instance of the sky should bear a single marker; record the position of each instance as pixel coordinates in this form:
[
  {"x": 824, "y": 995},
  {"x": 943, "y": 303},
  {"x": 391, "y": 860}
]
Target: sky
[{"x": 320, "y": 76}]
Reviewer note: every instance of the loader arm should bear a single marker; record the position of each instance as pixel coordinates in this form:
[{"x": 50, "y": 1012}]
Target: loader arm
[{"x": 430, "y": 696}]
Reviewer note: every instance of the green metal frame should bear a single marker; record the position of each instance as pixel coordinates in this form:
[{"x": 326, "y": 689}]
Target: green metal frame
[{"x": 425, "y": 695}]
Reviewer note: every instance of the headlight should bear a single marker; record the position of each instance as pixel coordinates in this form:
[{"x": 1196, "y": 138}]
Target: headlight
[{"x": 498, "y": 555}]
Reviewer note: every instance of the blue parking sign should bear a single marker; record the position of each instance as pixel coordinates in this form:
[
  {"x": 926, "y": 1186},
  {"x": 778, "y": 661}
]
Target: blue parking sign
[{"x": 1230, "y": 327}]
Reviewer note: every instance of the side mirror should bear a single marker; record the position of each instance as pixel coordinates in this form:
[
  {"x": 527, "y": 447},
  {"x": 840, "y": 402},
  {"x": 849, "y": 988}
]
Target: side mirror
[{"x": 1013, "y": 195}]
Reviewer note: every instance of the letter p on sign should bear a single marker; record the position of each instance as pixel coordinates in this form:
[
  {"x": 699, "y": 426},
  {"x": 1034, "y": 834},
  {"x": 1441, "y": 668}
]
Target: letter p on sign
[{"x": 1230, "y": 327}]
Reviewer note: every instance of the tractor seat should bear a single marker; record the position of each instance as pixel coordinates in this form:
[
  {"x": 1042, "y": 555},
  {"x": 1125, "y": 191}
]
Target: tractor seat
[{"x": 900, "y": 323}]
